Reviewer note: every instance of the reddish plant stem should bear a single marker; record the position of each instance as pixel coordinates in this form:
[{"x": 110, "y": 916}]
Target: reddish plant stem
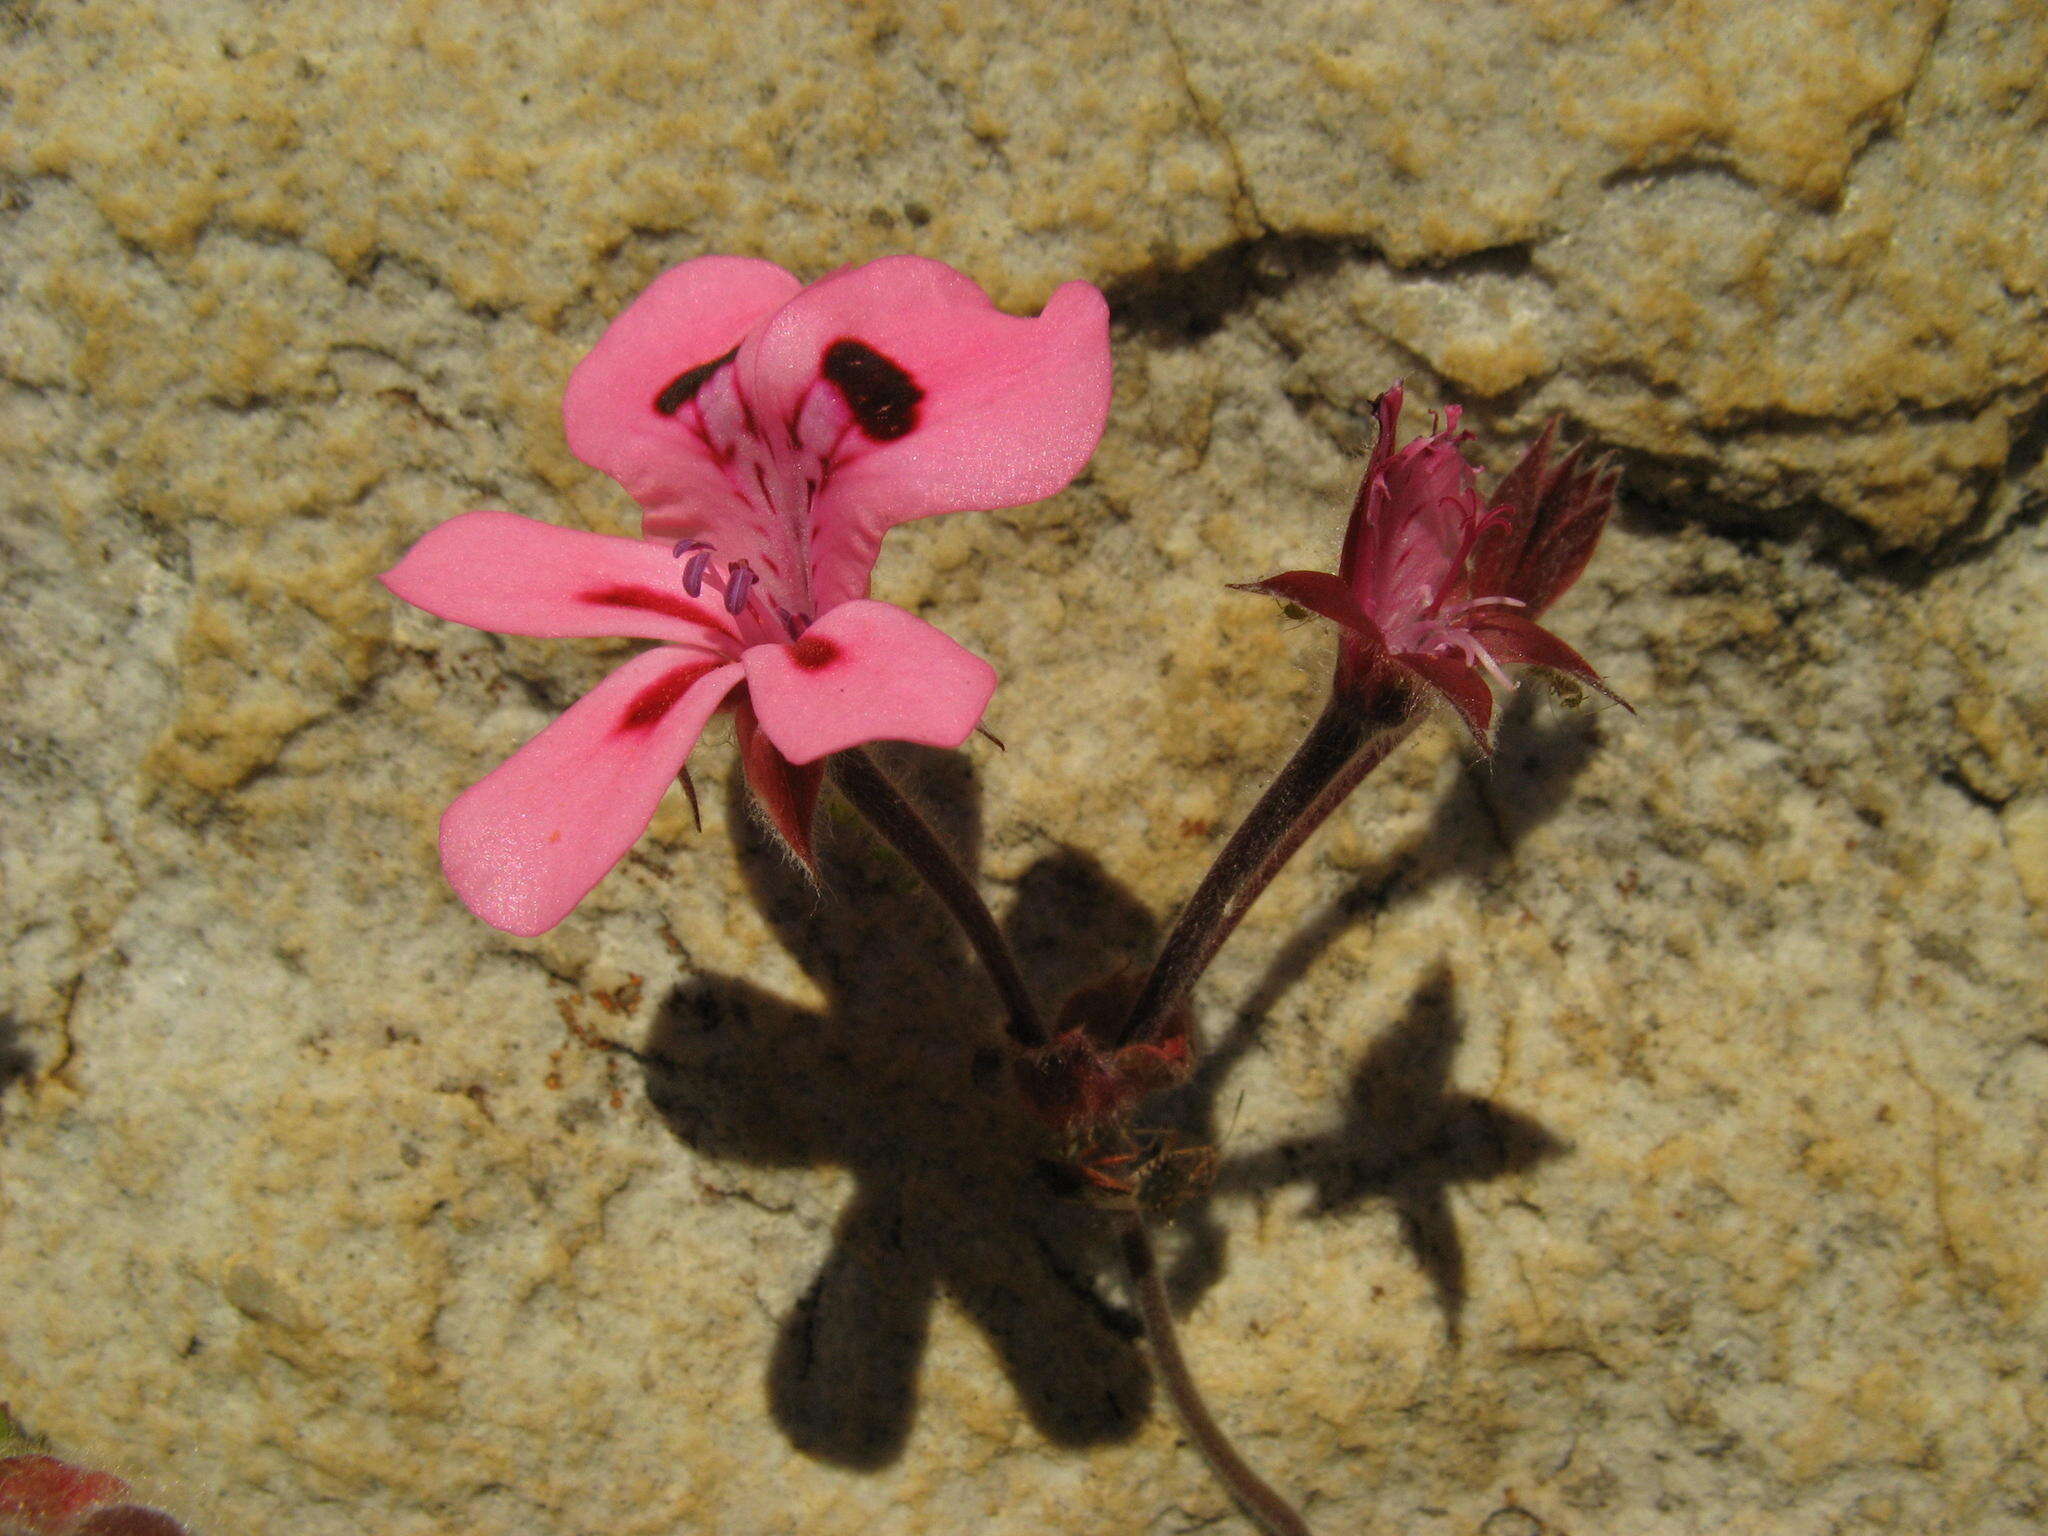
[
  {"x": 1265, "y": 1508},
  {"x": 1351, "y": 737},
  {"x": 869, "y": 790},
  {"x": 1335, "y": 793}
]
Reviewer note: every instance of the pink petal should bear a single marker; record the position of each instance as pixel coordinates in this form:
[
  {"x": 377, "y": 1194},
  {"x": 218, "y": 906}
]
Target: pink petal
[
  {"x": 41, "y": 1495},
  {"x": 1461, "y": 686},
  {"x": 524, "y": 844},
  {"x": 690, "y": 315},
  {"x": 999, "y": 410},
  {"x": 516, "y": 576},
  {"x": 865, "y": 672}
]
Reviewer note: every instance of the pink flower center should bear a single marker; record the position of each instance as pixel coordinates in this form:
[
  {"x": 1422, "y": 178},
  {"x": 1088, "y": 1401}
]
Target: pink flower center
[
  {"x": 1432, "y": 520},
  {"x": 778, "y": 474},
  {"x": 762, "y": 619}
]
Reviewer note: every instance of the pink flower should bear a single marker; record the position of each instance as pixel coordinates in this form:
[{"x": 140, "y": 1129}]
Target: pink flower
[
  {"x": 772, "y": 433},
  {"x": 42, "y": 1496},
  {"x": 1438, "y": 589}
]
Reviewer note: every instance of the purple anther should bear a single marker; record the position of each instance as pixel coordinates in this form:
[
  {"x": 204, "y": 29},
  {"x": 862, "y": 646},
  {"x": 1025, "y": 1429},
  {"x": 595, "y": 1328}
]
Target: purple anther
[
  {"x": 739, "y": 581},
  {"x": 693, "y": 571},
  {"x": 684, "y": 546},
  {"x": 795, "y": 623}
]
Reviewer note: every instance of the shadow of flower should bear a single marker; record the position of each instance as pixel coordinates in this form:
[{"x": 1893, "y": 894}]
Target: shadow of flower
[
  {"x": 901, "y": 1079},
  {"x": 1406, "y": 1137}
]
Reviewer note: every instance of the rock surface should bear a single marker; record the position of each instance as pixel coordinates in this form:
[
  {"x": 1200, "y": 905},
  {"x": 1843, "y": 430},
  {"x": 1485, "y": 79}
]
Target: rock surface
[{"x": 1642, "y": 1133}]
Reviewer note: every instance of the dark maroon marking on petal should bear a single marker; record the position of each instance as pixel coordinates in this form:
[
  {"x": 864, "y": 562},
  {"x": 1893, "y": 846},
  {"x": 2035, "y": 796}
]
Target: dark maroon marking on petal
[
  {"x": 652, "y": 703},
  {"x": 814, "y": 653},
  {"x": 682, "y": 389},
  {"x": 882, "y": 397},
  {"x": 650, "y": 599}
]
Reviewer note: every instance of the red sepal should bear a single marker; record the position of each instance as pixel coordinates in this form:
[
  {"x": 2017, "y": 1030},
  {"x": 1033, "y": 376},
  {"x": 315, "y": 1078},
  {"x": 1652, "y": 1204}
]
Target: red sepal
[
  {"x": 1320, "y": 593},
  {"x": 1514, "y": 641},
  {"x": 787, "y": 794},
  {"x": 1461, "y": 686},
  {"x": 1556, "y": 515},
  {"x": 1078, "y": 1084}
]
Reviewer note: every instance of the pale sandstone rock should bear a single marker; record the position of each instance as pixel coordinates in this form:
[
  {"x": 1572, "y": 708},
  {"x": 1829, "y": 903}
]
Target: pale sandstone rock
[{"x": 1713, "y": 1035}]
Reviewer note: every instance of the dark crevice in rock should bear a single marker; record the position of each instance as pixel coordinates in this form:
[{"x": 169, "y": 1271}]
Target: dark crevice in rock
[
  {"x": 1248, "y": 210},
  {"x": 1177, "y": 306},
  {"x": 16, "y": 1064},
  {"x": 1693, "y": 164},
  {"x": 1660, "y": 496},
  {"x": 1173, "y": 306},
  {"x": 1960, "y": 783}
]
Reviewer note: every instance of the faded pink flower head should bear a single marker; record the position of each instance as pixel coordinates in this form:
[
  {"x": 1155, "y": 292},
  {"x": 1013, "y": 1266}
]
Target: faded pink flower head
[
  {"x": 1440, "y": 588},
  {"x": 42, "y": 1496},
  {"x": 772, "y": 434}
]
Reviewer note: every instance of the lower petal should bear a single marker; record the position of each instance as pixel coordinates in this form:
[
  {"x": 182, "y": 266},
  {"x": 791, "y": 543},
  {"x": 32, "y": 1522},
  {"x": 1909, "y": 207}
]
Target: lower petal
[
  {"x": 867, "y": 671},
  {"x": 517, "y": 576},
  {"x": 524, "y": 844}
]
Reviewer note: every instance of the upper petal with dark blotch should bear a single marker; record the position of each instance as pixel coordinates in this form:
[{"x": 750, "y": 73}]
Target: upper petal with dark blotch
[
  {"x": 690, "y": 316},
  {"x": 957, "y": 406}
]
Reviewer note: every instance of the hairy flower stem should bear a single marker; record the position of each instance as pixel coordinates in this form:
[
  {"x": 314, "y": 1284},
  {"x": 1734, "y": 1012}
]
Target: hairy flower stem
[
  {"x": 1266, "y": 1509},
  {"x": 871, "y": 793},
  {"x": 1351, "y": 737}
]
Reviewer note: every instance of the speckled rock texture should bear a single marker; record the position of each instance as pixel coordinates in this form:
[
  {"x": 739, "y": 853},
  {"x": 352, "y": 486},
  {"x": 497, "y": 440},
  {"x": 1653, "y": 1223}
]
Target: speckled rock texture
[{"x": 1641, "y": 1133}]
